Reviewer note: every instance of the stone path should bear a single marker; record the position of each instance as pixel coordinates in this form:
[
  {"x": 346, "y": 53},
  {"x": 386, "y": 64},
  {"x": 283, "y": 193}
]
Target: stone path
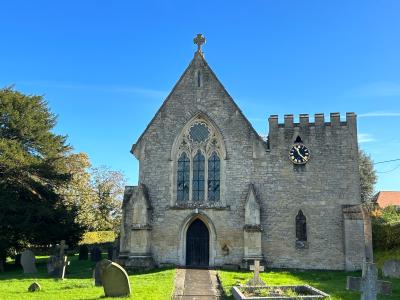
[{"x": 195, "y": 284}]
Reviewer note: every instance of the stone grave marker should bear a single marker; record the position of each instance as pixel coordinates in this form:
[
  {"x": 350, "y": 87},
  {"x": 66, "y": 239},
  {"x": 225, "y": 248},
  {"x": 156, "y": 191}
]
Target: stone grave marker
[
  {"x": 368, "y": 284},
  {"x": 57, "y": 264},
  {"x": 28, "y": 262},
  {"x": 83, "y": 252},
  {"x": 34, "y": 287},
  {"x": 114, "y": 279},
  {"x": 97, "y": 274},
  {"x": 391, "y": 268},
  {"x": 256, "y": 280},
  {"x": 95, "y": 254}
]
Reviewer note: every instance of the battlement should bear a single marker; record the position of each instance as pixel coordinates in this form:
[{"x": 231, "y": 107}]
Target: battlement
[{"x": 319, "y": 121}]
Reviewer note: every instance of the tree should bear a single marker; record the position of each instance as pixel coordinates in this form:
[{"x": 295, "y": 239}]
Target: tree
[
  {"x": 78, "y": 192},
  {"x": 32, "y": 168},
  {"x": 108, "y": 187},
  {"x": 367, "y": 176}
]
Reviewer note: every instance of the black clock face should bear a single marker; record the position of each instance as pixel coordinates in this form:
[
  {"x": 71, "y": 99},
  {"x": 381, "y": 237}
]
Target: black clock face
[{"x": 299, "y": 154}]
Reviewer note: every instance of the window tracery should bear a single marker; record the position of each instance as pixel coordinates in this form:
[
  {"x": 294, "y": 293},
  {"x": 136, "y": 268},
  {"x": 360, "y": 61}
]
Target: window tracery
[{"x": 199, "y": 150}]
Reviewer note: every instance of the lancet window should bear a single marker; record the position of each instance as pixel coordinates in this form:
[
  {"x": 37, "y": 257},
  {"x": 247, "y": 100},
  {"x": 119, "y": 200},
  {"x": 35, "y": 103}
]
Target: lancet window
[{"x": 301, "y": 227}]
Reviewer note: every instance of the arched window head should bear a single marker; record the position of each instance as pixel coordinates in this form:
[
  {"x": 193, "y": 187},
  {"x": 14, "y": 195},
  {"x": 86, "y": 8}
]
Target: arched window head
[
  {"x": 198, "y": 177},
  {"x": 183, "y": 180},
  {"x": 301, "y": 227},
  {"x": 213, "y": 177}
]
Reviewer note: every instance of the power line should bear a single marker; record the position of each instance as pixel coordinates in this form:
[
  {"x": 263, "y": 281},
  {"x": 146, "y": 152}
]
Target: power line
[
  {"x": 386, "y": 161},
  {"x": 395, "y": 168}
]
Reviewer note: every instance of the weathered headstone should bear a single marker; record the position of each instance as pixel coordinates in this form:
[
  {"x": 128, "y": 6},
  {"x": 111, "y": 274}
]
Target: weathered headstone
[
  {"x": 95, "y": 254},
  {"x": 83, "y": 252},
  {"x": 52, "y": 265},
  {"x": 97, "y": 273},
  {"x": 17, "y": 260},
  {"x": 110, "y": 252},
  {"x": 256, "y": 280},
  {"x": 114, "y": 279},
  {"x": 28, "y": 261},
  {"x": 116, "y": 249},
  {"x": 391, "y": 268},
  {"x": 369, "y": 285},
  {"x": 57, "y": 264},
  {"x": 34, "y": 287}
]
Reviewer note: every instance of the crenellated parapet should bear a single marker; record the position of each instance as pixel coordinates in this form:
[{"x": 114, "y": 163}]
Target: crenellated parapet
[{"x": 322, "y": 125}]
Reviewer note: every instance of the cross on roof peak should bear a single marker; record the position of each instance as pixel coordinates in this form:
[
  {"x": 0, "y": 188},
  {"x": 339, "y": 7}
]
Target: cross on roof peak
[{"x": 199, "y": 40}]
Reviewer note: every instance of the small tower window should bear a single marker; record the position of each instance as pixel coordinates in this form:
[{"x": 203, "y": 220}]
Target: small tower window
[{"x": 301, "y": 227}]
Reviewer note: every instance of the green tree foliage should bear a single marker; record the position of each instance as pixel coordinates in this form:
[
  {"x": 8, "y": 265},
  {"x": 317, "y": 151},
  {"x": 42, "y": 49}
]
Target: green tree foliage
[
  {"x": 367, "y": 176},
  {"x": 32, "y": 168},
  {"x": 78, "y": 192},
  {"x": 108, "y": 187}
]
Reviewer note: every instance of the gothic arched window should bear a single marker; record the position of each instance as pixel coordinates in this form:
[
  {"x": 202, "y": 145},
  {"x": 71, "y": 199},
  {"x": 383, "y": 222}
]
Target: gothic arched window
[
  {"x": 301, "y": 227},
  {"x": 198, "y": 177},
  {"x": 183, "y": 177},
  {"x": 213, "y": 177}
]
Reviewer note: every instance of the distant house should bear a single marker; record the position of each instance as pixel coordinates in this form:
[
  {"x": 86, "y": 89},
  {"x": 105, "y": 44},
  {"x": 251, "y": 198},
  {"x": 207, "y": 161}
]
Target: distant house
[{"x": 385, "y": 198}]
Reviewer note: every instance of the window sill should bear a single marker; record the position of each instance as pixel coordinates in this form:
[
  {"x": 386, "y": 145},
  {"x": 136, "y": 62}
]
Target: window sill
[
  {"x": 301, "y": 245},
  {"x": 201, "y": 205}
]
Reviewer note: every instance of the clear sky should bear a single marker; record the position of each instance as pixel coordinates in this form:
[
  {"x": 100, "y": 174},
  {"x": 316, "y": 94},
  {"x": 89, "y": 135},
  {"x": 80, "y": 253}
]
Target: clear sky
[{"x": 105, "y": 67}]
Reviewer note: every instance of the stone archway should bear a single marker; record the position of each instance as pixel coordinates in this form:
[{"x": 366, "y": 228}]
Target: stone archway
[{"x": 202, "y": 220}]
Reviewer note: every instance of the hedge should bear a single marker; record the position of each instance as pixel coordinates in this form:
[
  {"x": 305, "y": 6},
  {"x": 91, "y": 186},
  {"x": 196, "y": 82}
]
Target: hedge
[
  {"x": 97, "y": 237},
  {"x": 386, "y": 236}
]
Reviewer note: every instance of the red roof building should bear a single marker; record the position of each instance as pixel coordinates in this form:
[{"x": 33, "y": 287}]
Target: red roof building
[{"x": 386, "y": 198}]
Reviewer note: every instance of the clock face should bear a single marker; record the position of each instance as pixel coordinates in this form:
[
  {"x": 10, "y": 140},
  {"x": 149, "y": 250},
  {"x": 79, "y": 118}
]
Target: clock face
[{"x": 299, "y": 154}]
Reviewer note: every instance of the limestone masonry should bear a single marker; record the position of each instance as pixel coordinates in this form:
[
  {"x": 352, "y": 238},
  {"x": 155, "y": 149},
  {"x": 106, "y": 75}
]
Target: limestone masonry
[{"x": 212, "y": 192}]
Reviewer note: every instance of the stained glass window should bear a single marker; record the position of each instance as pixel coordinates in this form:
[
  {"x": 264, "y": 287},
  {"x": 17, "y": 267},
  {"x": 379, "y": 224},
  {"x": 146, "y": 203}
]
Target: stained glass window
[
  {"x": 199, "y": 132},
  {"x": 213, "y": 177},
  {"x": 198, "y": 177},
  {"x": 183, "y": 177},
  {"x": 301, "y": 227}
]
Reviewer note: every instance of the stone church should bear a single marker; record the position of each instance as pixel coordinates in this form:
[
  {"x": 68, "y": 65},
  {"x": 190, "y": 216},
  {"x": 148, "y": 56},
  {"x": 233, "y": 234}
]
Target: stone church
[{"x": 213, "y": 192}]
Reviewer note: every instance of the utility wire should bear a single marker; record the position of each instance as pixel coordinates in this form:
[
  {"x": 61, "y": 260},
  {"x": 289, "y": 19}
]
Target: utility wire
[{"x": 386, "y": 161}]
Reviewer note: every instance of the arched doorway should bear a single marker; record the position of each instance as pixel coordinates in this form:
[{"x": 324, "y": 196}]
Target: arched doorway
[{"x": 197, "y": 244}]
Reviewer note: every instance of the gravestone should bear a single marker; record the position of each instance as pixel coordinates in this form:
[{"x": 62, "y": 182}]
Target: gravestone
[
  {"x": 28, "y": 262},
  {"x": 95, "y": 254},
  {"x": 57, "y": 264},
  {"x": 391, "y": 268},
  {"x": 110, "y": 250},
  {"x": 34, "y": 287},
  {"x": 52, "y": 265},
  {"x": 17, "y": 260},
  {"x": 97, "y": 274},
  {"x": 256, "y": 280},
  {"x": 116, "y": 249},
  {"x": 83, "y": 252},
  {"x": 114, "y": 279},
  {"x": 368, "y": 284}
]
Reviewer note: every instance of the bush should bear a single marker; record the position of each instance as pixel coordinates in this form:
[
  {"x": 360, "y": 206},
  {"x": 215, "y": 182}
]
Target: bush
[
  {"x": 386, "y": 235},
  {"x": 98, "y": 237}
]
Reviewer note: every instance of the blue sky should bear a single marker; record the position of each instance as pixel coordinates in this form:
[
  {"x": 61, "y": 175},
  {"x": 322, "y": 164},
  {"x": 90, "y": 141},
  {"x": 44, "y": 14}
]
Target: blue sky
[{"x": 105, "y": 67}]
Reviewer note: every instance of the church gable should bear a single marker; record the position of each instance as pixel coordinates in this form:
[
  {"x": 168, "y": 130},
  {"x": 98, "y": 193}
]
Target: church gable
[{"x": 198, "y": 91}]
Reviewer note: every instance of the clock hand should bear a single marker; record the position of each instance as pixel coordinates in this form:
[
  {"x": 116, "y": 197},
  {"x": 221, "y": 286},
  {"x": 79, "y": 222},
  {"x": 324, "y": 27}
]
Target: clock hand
[{"x": 298, "y": 152}]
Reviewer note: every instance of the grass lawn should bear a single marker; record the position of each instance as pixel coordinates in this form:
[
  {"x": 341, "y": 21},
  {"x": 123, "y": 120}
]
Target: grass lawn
[
  {"x": 157, "y": 284},
  {"x": 331, "y": 282}
]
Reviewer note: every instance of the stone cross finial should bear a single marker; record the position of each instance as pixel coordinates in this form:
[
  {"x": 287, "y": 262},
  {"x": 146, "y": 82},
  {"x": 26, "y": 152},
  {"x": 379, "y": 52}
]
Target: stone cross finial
[{"x": 199, "y": 40}]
